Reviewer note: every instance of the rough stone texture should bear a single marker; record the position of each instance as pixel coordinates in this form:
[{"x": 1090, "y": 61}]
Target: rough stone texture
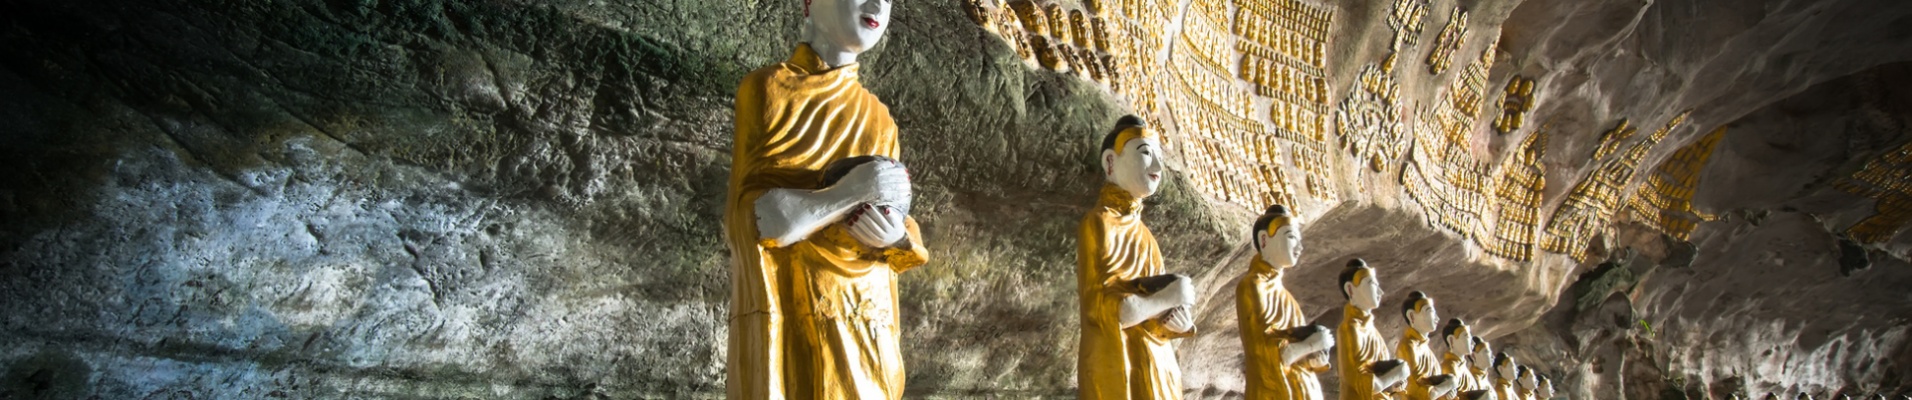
[{"x": 514, "y": 199}]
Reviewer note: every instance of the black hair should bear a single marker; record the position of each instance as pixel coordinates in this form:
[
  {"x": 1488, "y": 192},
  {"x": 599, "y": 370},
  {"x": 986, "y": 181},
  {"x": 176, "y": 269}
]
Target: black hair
[
  {"x": 1453, "y": 325},
  {"x": 1261, "y": 224},
  {"x": 837, "y": 169},
  {"x": 1347, "y": 276},
  {"x": 1407, "y": 306},
  {"x": 1108, "y": 141}
]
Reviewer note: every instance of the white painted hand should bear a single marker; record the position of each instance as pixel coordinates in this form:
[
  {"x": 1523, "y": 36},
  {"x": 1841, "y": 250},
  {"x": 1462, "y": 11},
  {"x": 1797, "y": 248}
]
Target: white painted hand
[
  {"x": 1139, "y": 308},
  {"x": 785, "y": 216},
  {"x": 1447, "y": 385},
  {"x": 1181, "y": 292},
  {"x": 1314, "y": 344},
  {"x": 879, "y": 183},
  {"x": 1386, "y": 381},
  {"x": 876, "y": 226},
  {"x": 1177, "y": 319},
  {"x": 1320, "y": 342}
]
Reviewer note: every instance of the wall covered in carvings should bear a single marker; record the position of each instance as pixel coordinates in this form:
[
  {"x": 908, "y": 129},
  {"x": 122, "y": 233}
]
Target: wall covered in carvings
[{"x": 514, "y": 199}]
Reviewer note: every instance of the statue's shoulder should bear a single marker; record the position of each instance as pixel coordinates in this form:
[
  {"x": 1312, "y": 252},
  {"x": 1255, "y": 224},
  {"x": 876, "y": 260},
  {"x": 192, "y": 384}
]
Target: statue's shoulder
[{"x": 754, "y": 81}]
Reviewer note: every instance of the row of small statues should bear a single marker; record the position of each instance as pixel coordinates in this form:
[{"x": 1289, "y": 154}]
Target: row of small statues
[
  {"x": 1132, "y": 309},
  {"x": 818, "y": 224},
  {"x": 817, "y": 221}
]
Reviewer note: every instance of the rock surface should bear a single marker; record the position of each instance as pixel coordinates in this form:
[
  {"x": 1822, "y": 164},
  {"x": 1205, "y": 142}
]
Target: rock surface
[{"x": 515, "y": 199}]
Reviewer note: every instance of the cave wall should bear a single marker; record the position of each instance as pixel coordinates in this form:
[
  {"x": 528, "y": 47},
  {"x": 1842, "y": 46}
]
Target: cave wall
[{"x": 444, "y": 199}]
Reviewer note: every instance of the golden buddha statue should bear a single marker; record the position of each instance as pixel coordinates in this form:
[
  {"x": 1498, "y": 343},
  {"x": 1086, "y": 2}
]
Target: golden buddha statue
[
  {"x": 845, "y": 240},
  {"x": 1131, "y": 307},
  {"x": 1361, "y": 355},
  {"x": 1506, "y": 373},
  {"x": 1425, "y": 380},
  {"x": 1459, "y": 339},
  {"x": 1480, "y": 365},
  {"x": 1283, "y": 351},
  {"x": 1527, "y": 386}
]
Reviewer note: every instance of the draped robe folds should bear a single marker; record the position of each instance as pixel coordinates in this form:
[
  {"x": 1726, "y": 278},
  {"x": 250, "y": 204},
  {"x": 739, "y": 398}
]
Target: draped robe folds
[
  {"x": 1422, "y": 365},
  {"x": 793, "y": 119},
  {"x": 1114, "y": 249},
  {"x": 1504, "y": 389},
  {"x": 1481, "y": 379},
  {"x": 1357, "y": 347},
  {"x": 1463, "y": 378},
  {"x": 1267, "y": 312}
]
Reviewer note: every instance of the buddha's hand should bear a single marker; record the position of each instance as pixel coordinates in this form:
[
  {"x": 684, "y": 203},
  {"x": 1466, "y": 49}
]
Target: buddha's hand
[
  {"x": 1321, "y": 340},
  {"x": 1386, "y": 379},
  {"x": 1182, "y": 291},
  {"x": 1476, "y": 395},
  {"x": 1442, "y": 385},
  {"x": 1316, "y": 344},
  {"x": 880, "y": 183},
  {"x": 1178, "y": 320},
  {"x": 876, "y": 226}
]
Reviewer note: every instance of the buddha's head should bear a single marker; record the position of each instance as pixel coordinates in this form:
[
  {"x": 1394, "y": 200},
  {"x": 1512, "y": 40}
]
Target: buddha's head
[
  {"x": 1132, "y": 157},
  {"x": 1458, "y": 337},
  {"x": 1418, "y": 310},
  {"x": 1527, "y": 378},
  {"x": 1277, "y": 238},
  {"x": 1483, "y": 354},
  {"x": 1360, "y": 286},
  {"x": 850, "y": 26},
  {"x": 1505, "y": 367},
  {"x": 1546, "y": 389}
]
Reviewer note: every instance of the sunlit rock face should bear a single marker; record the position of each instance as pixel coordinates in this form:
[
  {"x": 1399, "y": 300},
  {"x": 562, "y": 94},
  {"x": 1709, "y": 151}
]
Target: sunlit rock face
[{"x": 505, "y": 199}]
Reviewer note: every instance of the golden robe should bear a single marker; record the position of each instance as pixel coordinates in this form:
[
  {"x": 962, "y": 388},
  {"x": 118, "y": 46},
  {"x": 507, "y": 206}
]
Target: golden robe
[
  {"x": 1267, "y": 312},
  {"x": 1457, "y": 366},
  {"x": 1357, "y": 348},
  {"x": 1482, "y": 381},
  {"x": 1504, "y": 390},
  {"x": 1114, "y": 249},
  {"x": 793, "y": 119},
  {"x": 1421, "y": 364}
]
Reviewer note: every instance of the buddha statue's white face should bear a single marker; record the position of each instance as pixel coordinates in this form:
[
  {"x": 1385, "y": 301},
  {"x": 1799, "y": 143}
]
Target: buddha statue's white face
[
  {"x": 1509, "y": 370},
  {"x": 1283, "y": 249},
  {"x": 1458, "y": 342},
  {"x": 1423, "y": 319},
  {"x": 1527, "y": 379},
  {"x": 1546, "y": 390},
  {"x": 1138, "y": 167},
  {"x": 1483, "y": 355},
  {"x": 1365, "y": 293},
  {"x": 850, "y": 26}
]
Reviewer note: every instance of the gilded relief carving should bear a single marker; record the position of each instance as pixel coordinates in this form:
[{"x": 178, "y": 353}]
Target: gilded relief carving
[
  {"x": 1665, "y": 202},
  {"x": 1521, "y": 182},
  {"x": 1369, "y": 122},
  {"x": 1189, "y": 83},
  {"x": 1515, "y": 102},
  {"x": 1448, "y": 42},
  {"x": 1888, "y": 180},
  {"x": 1406, "y": 20},
  {"x": 1595, "y": 199}
]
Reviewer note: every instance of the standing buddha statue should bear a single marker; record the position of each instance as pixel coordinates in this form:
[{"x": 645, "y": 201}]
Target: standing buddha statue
[
  {"x": 1131, "y": 307},
  {"x": 1284, "y": 352}
]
